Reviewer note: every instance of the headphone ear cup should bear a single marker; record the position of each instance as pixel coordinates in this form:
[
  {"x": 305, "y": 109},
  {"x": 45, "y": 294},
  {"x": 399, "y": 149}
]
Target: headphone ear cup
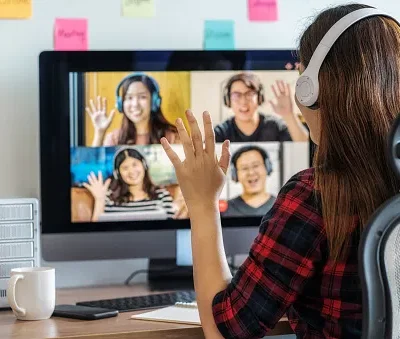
[
  {"x": 144, "y": 164},
  {"x": 226, "y": 98},
  {"x": 119, "y": 104},
  {"x": 268, "y": 166},
  {"x": 234, "y": 173},
  {"x": 307, "y": 89},
  {"x": 261, "y": 98},
  {"x": 156, "y": 102}
]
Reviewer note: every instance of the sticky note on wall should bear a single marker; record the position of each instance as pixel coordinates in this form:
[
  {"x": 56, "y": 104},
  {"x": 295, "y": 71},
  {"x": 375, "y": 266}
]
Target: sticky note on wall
[
  {"x": 219, "y": 34},
  {"x": 263, "y": 10},
  {"x": 71, "y": 35},
  {"x": 138, "y": 8},
  {"x": 15, "y": 9}
]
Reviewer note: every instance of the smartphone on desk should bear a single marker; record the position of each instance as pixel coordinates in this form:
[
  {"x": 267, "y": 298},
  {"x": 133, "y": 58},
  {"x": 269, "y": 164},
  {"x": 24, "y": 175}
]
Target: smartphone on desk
[{"x": 83, "y": 312}]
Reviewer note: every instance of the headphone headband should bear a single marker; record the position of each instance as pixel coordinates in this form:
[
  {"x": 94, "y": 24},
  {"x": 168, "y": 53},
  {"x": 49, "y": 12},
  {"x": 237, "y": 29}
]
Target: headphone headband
[{"x": 307, "y": 86}]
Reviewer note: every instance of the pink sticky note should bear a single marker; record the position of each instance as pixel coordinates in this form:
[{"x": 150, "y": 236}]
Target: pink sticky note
[
  {"x": 71, "y": 35},
  {"x": 263, "y": 10}
]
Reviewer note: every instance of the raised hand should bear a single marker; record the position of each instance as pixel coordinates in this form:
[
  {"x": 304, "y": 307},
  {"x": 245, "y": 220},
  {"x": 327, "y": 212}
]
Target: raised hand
[
  {"x": 283, "y": 104},
  {"x": 98, "y": 114},
  {"x": 201, "y": 176},
  {"x": 97, "y": 187}
]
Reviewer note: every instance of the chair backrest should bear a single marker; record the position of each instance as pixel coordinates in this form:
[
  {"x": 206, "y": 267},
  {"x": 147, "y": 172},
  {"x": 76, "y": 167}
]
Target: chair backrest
[
  {"x": 379, "y": 266},
  {"x": 379, "y": 259}
]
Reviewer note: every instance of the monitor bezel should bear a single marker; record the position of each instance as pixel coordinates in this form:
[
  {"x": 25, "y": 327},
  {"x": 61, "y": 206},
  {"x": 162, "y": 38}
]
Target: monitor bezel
[{"x": 54, "y": 69}]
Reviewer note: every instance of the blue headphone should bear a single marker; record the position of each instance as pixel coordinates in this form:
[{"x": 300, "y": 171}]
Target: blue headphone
[{"x": 155, "y": 95}]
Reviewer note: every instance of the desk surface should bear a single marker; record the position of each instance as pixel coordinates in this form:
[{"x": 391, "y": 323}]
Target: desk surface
[{"x": 120, "y": 327}]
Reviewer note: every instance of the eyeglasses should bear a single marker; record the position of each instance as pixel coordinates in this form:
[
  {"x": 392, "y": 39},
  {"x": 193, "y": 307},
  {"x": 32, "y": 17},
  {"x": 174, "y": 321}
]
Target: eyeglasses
[
  {"x": 237, "y": 96},
  {"x": 247, "y": 169}
]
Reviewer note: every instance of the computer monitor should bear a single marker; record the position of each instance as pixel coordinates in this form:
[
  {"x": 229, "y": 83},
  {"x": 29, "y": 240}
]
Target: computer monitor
[{"x": 109, "y": 191}]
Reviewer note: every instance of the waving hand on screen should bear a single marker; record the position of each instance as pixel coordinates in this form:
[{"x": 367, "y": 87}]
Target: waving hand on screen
[{"x": 100, "y": 120}]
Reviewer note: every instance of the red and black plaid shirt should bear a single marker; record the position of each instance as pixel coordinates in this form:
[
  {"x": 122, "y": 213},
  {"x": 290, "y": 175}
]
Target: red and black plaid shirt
[{"x": 288, "y": 272}]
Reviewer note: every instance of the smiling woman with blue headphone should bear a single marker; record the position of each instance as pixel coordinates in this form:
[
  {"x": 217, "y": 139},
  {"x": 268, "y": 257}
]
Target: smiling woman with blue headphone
[
  {"x": 304, "y": 261},
  {"x": 138, "y": 99}
]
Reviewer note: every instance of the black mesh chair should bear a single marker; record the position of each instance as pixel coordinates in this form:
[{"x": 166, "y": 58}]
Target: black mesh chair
[{"x": 379, "y": 261}]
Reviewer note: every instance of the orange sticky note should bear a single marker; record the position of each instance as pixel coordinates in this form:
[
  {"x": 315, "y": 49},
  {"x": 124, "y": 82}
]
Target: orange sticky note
[
  {"x": 263, "y": 10},
  {"x": 15, "y": 9},
  {"x": 71, "y": 35}
]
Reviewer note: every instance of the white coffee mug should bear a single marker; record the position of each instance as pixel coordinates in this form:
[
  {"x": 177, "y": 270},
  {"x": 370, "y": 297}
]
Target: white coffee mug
[{"x": 31, "y": 292}]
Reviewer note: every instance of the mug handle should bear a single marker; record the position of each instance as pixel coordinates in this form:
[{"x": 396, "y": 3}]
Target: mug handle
[{"x": 11, "y": 294}]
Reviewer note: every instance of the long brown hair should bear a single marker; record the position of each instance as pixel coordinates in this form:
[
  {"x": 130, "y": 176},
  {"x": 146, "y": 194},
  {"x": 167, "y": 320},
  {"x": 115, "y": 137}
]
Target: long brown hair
[
  {"x": 159, "y": 125},
  {"x": 358, "y": 101}
]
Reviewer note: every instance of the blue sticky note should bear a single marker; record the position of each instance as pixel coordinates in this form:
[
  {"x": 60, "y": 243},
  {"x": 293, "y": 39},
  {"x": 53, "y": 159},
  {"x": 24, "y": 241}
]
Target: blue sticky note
[{"x": 219, "y": 34}]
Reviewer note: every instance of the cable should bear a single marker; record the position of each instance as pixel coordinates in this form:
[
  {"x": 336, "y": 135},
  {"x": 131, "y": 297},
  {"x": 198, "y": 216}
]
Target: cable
[{"x": 232, "y": 267}]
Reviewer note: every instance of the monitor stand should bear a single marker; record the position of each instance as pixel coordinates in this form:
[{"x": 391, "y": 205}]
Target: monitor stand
[
  {"x": 173, "y": 273},
  {"x": 165, "y": 274}
]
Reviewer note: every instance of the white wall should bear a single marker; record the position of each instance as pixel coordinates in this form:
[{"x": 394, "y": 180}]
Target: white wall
[{"x": 178, "y": 25}]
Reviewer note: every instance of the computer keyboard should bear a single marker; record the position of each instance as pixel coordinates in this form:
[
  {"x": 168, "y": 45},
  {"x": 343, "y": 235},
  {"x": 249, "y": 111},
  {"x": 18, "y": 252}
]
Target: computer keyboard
[{"x": 136, "y": 303}]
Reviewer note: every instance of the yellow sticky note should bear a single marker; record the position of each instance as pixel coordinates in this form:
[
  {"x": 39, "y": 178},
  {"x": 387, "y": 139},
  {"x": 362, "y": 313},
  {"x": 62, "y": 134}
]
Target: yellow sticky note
[
  {"x": 15, "y": 9},
  {"x": 138, "y": 8}
]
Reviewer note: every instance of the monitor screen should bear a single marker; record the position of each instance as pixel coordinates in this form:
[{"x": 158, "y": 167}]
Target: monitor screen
[{"x": 118, "y": 175}]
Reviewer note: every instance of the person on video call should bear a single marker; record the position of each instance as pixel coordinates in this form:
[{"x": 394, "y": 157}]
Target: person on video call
[
  {"x": 244, "y": 94},
  {"x": 143, "y": 123},
  {"x": 250, "y": 166},
  {"x": 130, "y": 189}
]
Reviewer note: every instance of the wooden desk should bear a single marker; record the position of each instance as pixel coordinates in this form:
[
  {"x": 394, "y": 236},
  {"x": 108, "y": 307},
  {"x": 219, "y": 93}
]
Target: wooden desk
[{"x": 120, "y": 327}]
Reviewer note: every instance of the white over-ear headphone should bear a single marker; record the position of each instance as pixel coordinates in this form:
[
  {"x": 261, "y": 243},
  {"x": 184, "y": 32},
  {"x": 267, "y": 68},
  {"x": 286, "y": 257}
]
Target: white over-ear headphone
[{"x": 307, "y": 87}]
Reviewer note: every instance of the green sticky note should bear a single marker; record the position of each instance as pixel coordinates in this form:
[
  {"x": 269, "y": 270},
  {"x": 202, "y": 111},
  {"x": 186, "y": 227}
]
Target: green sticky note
[
  {"x": 138, "y": 8},
  {"x": 219, "y": 34}
]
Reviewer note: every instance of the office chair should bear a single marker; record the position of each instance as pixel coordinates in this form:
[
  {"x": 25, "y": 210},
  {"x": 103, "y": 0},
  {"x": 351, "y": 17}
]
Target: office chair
[{"x": 379, "y": 260}]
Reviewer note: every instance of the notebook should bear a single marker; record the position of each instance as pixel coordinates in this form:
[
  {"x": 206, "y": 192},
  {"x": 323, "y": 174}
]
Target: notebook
[{"x": 181, "y": 312}]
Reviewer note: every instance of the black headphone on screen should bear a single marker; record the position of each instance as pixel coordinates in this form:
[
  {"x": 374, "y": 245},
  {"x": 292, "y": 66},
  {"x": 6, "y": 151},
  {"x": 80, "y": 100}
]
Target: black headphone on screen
[
  {"x": 137, "y": 155},
  {"x": 240, "y": 151},
  {"x": 227, "y": 92}
]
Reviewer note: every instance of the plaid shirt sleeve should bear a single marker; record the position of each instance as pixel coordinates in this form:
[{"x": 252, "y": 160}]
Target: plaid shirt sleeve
[{"x": 281, "y": 259}]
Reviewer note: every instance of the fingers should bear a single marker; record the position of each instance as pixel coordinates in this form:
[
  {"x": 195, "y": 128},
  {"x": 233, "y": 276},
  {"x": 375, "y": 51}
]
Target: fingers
[
  {"x": 107, "y": 183},
  {"x": 182, "y": 212},
  {"x": 225, "y": 156},
  {"x": 98, "y": 103},
  {"x": 209, "y": 134},
  {"x": 274, "y": 91},
  {"x": 91, "y": 178},
  {"x": 104, "y": 107},
  {"x": 287, "y": 89},
  {"x": 100, "y": 176},
  {"x": 281, "y": 86},
  {"x": 185, "y": 139},
  {"x": 89, "y": 111},
  {"x": 197, "y": 139},
  {"x": 92, "y": 106},
  {"x": 110, "y": 117},
  {"x": 176, "y": 162}
]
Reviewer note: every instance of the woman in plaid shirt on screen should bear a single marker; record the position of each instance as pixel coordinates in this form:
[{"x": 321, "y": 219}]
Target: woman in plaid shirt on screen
[{"x": 303, "y": 263}]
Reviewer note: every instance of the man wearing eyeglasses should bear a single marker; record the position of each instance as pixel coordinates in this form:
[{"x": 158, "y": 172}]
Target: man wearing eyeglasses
[
  {"x": 250, "y": 166},
  {"x": 244, "y": 94}
]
